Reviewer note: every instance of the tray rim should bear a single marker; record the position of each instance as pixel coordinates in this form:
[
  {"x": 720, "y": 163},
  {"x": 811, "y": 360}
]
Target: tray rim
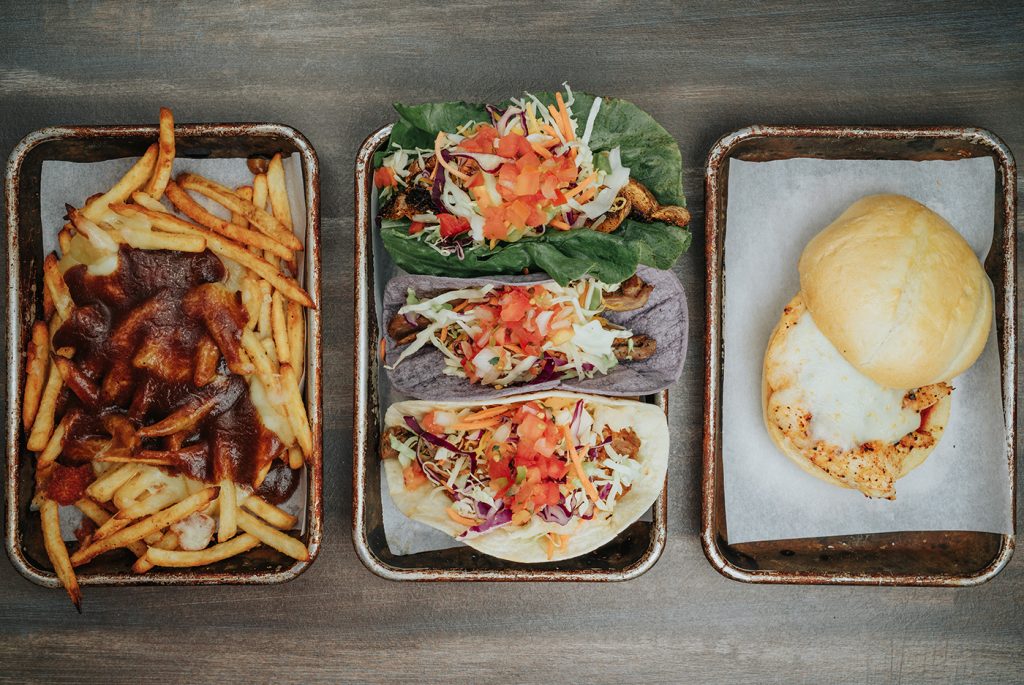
[
  {"x": 314, "y": 395},
  {"x": 714, "y": 352},
  {"x": 362, "y": 458}
]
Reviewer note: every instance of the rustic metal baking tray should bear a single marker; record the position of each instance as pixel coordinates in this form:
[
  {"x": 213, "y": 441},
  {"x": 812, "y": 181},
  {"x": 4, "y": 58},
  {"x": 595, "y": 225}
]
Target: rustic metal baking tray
[
  {"x": 23, "y": 535},
  {"x": 633, "y": 551},
  {"x": 935, "y": 558}
]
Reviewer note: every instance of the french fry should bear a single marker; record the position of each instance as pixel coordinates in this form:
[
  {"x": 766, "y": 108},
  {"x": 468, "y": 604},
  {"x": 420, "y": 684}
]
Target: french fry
[
  {"x": 279, "y": 326},
  {"x": 53, "y": 279},
  {"x": 168, "y": 540},
  {"x": 99, "y": 516},
  {"x": 266, "y": 296},
  {"x": 153, "y": 240},
  {"x": 226, "y": 248},
  {"x": 261, "y": 475},
  {"x": 254, "y": 348},
  {"x": 139, "y": 458},
  {"x": 207, "y": 358},
  {"x": 296, "y": 335},
  {"x": 57, "y": 551},
  {"x": 103, "y": 488},
  {"x": 250, "y": 287},
  {"x": 260, "y": 191},
  {"x": 170, "y": 493},
  {"x": 278, "y": 192},
  {"x": 271, "y": 350},
  {"x": 275, "y": 516},
  {"x": 64, "y": 238},
  {"x": 184, "y": 418},
  {"x": 184, "y": 203},
  {"x": 148, "y": 526},
  {"x": 296, "y": 410},
  {"x": 185, "y": 559},
  {"x": 244, "y": 192},
  {"x": 122, "y": 190},
  {"x": 42, "y": 427},
  {"x": 295, "y": 459},
  {"x": 227, "y": 524},
  {"x": 97, "y": 237},
  {"x": 165, "y": 156},
  {"x": 55, "y": 444},
  {"x": 272, "y": 537},
  {"x": 36, "y": 361},
  {"x": 256, "y": 216},
  {"x": 147, "y": 477},
  {"x": 147, "y": 201}
]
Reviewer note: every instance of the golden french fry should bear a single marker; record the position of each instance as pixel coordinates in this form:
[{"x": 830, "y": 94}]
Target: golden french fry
[
  {"x": 54, "y": 445},
  {"x": 266, "y": 296},
  {"x": 254, "y": 348},
  {"x": 147, "y": 201},
  {"x": 227, "y": 524},
  {"x": 168, "y": 540},
  {"x": 104, "y": 487},
  {"x": 218, "y": 552},
  {"x": 179, "y": 420},
  {"x": 57, "y": 551},
  {"x": 295, "y": 460},
  {"x": 53, "y": 279},
  {"x": 36, "y": 361},
  {"x": 250, "y": 287},
  {"x": 268, "y": 347},
  {"x": 279, "y": 326},
  {"x": 244, "y": 192},
  {"x": 296, "y": 409},
  {"x": 97, "y": 237},
  {"x": 256, "y": 216},
  {"x": 122, "y": 190},
  {"x": 296, "y": 335},
  {"x": 272, "y": 537},
  {"x": 168, "y": 494},
  {"x": 153, "y": 240},
  {"x": 278, "y": 192},
  {"x": 275, "y": 516},
  {"x": 261, "y": 474},
  {"x": 165, "y": 157},
  {"x": 64, "y": 238},
  {"x": 99, "y": 516},
  {"x": 226, "y": 248},
  {"x": 184, "y": 203},
  {"x": 42, "y": 427},
  {"x": 147, "y": 526},
  {"x": 260, "y": 191}
]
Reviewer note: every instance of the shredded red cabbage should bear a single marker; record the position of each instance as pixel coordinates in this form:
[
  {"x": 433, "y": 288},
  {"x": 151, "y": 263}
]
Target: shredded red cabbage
[
  {"x": 434, "y": 440},
  {"x": 556, "y": 513},
  {"x": 495, "y": 516},
  {"x": 603, "y": 492}
]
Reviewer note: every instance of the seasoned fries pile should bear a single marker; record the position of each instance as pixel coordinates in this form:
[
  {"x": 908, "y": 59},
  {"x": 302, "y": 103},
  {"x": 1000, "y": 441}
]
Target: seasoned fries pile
[{"x": 135, "y": 478}]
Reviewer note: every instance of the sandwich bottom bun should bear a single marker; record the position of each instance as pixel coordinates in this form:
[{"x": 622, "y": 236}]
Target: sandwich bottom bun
[{"x": 887, "y": 433}]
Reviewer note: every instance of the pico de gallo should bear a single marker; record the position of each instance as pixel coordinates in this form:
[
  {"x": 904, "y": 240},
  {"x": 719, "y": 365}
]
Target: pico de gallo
[{"x": 552, "y": 459}]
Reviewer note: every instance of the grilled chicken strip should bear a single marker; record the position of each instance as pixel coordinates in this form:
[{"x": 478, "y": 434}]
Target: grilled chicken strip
[
  {"x": 635, "y": 349},
  {"x": 632, "y": 294}
]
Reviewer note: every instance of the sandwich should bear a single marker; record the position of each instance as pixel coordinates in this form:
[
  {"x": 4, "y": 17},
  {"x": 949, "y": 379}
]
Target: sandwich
[
  {"x": 567, "y": 185},
  {"x": 534, "y": 478},
  {"x": 893, "y": 305},
  {"x": 451, "y": 338}
]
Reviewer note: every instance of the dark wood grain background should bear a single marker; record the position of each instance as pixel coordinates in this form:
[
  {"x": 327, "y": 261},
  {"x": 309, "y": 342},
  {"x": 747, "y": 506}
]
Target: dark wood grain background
[{"x": 331, "y": 70}]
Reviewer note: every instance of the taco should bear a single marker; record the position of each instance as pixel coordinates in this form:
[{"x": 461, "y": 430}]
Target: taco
[
  {"x": 452, "y": 338},
  {"x": 539, "y": 477},
  {"x": 567, "y": 185}
]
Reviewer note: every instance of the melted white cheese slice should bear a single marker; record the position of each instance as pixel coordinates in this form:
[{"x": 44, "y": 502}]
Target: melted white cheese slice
[{"x": 847, "y": 408}]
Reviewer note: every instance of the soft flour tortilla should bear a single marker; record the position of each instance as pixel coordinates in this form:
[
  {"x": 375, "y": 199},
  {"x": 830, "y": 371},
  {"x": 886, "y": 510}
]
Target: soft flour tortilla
[
  {"x": 663, "y": 318},
  {"x": 427, "y": 504}
]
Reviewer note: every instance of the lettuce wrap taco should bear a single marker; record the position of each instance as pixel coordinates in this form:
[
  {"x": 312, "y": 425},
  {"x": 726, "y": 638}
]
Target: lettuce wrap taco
[{"x": 539, "y": 477}]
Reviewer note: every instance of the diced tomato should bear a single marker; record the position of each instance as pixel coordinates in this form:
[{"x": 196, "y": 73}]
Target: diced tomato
[
  {"x": 415, "y": 227},
  {"x": 528, "y": 162},
  {"x": 384, "y": 178},
  {"x": 513, "y": 145},
  {"x": 516, "y": 213},
  {"x": 536, "y": 216},
  {"x": 481, "y": 141},
  {"x": 514, "y": 304},
  {"x": 452, "y": 225},
  {"x": 413, "y": 476},
  {"x": 527, "y": 183},
  {"x": 495, "y": 226},
  {"x": 430, "y": 425},
  {"x": 476, "y": 180}
]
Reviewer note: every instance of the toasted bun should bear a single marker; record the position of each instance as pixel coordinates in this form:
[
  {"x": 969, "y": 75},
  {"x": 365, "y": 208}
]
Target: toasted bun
[
  {"x": 804, "y": 457},
  {"x": 898, "y": 291}
]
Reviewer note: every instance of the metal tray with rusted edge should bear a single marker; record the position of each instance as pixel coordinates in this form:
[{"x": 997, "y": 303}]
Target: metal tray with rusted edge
[
  {"x": 632, "y": 553},
  {"x": 23, "y": 535},
  {"x": 933, "y": 558}
]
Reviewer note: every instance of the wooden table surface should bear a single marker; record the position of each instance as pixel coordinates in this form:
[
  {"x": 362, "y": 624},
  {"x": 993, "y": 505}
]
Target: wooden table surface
[{"x": 332, "y": 70}]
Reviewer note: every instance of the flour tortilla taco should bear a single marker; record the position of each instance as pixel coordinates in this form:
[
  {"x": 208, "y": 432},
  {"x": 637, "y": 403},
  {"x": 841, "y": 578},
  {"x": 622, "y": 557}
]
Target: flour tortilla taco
[{"x": 534, "y": 478}]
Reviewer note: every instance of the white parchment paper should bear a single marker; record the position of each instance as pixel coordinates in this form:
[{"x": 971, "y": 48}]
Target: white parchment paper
[
  {"x": 73, "y": 183},
  {"x": 774, "y": 209}
]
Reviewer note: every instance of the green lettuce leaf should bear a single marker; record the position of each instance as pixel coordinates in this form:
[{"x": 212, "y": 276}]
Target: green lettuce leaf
[{"x": 645, "y": 147}]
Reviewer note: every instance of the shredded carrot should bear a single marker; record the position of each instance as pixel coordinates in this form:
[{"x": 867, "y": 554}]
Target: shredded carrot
[
  {"x": 578, "y": 465},
  {"x": 460, "y": 306},
  {"x": 585, "y": 294},
  {"x": 485, "y": 413},
  {"x": 447, "y": 165},
  {"x": 557, "y": 116},
  {"x": 565, "y": 117},
  {"x": 551, "y": 546},
  {"x": 558, "y": 223},
  {"x": 541, "y": 150},
  {"x": 383, "y": 348},
  {"x": 474, "y": 425},
  {"x": 582, "y": 186},
  {"x": 443, "y": 335},
  {"x": 563, "y": 541},
  {"x": 586, "y": 197},
  {"x": 458, "y": 518}
]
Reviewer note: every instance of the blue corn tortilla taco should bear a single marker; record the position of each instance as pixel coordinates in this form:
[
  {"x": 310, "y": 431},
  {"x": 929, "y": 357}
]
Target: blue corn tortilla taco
[{"x": 569, "y": 185}]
